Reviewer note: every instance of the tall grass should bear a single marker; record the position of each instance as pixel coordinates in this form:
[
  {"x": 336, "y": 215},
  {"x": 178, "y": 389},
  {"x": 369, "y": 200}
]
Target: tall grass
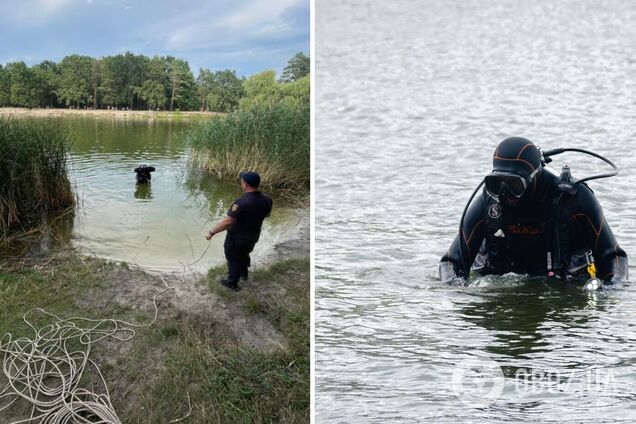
[
  {"x": 271, "y": 140},
  {"x": 33, "y": 178}
]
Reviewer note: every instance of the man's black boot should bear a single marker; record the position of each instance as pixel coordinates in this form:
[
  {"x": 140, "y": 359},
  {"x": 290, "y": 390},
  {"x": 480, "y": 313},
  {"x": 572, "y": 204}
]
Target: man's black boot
[{"x": 230, "y": 284}]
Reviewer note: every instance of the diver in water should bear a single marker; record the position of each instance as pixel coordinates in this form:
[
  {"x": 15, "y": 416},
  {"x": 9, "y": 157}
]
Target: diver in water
[
  {"x": 528, "y": 220},
  {"x": 143, "y": 173}
]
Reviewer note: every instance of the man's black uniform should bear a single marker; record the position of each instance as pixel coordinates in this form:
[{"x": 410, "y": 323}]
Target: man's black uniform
[
  {"x": 500, "y": 239},
  {"x": 249, "y": 211}
]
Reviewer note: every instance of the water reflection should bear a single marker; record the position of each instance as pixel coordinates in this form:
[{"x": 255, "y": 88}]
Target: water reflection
[
  {"x": 217, "y": 194},
  {"x": 519, "y": 315},
  {"x": 143, "y": 191}
]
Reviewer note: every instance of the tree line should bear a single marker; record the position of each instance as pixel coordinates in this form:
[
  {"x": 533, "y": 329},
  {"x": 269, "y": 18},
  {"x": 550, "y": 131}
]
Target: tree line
[{"x": 138, "y": 82}]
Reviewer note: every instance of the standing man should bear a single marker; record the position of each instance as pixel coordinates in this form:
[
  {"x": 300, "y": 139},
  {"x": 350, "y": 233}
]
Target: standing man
[{"x": 243, "y": 224}]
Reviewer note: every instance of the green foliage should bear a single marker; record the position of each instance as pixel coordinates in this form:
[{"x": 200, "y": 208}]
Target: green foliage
[
  {"x": 220, "y": 91},
  {"x": 296, "y": 92},
  {"x": 182, "y": 84},
  {"x": 75, "y": 80},
  {"x": 105, "y": 81},
  {"x": 118, "y": 82},
  {"x": 153, "y": 93},
  {"x": 33, "y": 173},
  {"x": 271, "y": 140},
  {"x": 297, "y": 68},
  {"x": 5, "y": 87},
  {"x": 129, "y": 71},
  {"x": 46, "y": 77},
  {"x": 22, "y": 86},
  {"x": 260, "y": 90},
  {"x": 269, "y": 134}
]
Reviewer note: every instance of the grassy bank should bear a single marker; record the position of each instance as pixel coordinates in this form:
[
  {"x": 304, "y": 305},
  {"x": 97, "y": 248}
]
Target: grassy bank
[
  {"x": 32, "y": 172},
  {"x": 189, "y": 352},
  {"x": 273, "y": 141}
]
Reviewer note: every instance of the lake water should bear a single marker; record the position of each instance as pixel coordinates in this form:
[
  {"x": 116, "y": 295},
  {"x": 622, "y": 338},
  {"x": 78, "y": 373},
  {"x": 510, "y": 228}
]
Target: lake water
[
  {"x": 160, "y": 226},
  {"x": 411, "y": 100}
]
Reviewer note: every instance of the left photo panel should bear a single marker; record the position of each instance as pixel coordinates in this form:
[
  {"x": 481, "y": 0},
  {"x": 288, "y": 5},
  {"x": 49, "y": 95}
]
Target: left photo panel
[{"x": 155, "y": 211}]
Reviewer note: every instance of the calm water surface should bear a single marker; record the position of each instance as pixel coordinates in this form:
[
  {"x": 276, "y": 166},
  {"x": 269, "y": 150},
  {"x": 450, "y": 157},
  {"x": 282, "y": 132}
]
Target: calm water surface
[
  {"x": 412, "y": 98},
  {"x": 158, "y": 226}
]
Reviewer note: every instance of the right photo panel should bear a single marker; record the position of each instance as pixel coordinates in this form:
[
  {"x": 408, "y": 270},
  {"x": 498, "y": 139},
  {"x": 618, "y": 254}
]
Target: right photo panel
[{"x": 474, "y": 215}]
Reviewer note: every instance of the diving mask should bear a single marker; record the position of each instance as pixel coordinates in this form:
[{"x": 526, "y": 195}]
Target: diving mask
[{"x": 498, "y": 183}]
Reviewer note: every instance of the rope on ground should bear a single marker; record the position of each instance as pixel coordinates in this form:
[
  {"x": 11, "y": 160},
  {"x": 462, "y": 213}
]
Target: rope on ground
[{"x": 47, "y": 370}]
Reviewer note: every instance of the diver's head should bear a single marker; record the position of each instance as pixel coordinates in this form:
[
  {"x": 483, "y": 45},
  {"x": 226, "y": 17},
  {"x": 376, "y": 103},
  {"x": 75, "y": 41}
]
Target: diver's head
[{"x": 515, "y": 165}]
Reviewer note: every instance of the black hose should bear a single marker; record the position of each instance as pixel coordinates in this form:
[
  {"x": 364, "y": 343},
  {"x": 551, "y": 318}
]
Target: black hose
[
  {"x": 461, "y": 230},
  {"x": 555, "y": 152}
]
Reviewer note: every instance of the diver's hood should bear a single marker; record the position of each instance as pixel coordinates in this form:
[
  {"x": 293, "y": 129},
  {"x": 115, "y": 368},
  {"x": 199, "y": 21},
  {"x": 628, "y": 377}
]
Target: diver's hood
[{"x": 517, "y": 155}]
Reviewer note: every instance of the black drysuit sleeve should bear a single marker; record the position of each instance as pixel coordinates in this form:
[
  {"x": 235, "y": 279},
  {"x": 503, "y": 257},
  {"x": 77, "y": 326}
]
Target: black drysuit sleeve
[
  {"x": 473, "y": 233},
  {"x": 589, "y": 229}
]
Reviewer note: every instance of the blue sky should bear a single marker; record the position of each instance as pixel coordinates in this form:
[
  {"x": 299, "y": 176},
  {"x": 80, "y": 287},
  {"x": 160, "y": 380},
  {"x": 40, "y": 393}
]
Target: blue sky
[{"x": 248, "y": 36}]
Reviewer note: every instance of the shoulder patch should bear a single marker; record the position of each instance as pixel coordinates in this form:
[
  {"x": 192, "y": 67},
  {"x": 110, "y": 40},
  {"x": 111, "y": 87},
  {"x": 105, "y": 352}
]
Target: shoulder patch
[{"x": 234, "y": 207}]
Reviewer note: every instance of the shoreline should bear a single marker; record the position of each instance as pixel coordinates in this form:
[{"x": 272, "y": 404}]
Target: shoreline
[
  {"x": 295, "y": 244},
  {"x": 105, "y": 113},
  {"x": 258, "y": 336}
]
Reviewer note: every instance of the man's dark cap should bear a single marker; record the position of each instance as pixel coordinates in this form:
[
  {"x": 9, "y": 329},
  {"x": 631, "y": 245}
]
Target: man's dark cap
[{"x": 251, "y": 178}]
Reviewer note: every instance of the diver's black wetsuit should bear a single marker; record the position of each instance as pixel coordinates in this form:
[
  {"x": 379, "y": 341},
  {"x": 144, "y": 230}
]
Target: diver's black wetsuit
[
  {"x": 525, "y": 245},
  {"x": 143, "y": 173}
]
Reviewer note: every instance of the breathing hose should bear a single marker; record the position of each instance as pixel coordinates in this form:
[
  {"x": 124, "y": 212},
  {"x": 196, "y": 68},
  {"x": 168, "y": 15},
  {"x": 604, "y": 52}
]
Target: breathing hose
[{"x": 554, "y": 152}]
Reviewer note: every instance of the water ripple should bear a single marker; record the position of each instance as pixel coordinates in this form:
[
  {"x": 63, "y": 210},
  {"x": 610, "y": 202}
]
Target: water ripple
[{"x": 412, "y": 99}]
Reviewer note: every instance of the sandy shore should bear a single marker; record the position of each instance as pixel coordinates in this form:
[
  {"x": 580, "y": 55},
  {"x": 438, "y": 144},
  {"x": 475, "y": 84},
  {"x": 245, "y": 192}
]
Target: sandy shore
[{"x": 102, "y": 113}]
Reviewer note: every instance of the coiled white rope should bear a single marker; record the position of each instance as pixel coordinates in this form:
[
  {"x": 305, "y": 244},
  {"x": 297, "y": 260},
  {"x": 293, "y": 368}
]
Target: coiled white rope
[{"x": 47, "y": 372}]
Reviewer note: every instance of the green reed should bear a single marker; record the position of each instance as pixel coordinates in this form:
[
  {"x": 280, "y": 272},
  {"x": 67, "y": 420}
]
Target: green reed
[
  {"x": 271, "y": 140},
  {"x": 33, "y": 178}
]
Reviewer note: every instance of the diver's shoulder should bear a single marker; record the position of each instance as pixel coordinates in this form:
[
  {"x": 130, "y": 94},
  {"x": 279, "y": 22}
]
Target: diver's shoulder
[{"x": 550, "y": 177}]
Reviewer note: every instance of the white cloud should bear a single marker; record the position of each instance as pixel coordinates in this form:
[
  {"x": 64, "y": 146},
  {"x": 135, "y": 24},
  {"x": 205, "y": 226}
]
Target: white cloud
[
  {"x": 273, "y": 29},
  {"x": 257, "y": 13},
  {"x": 209, "y": 25},
  {"x": 50, "y": 5},
  {"x": 32, "y": 11}
]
